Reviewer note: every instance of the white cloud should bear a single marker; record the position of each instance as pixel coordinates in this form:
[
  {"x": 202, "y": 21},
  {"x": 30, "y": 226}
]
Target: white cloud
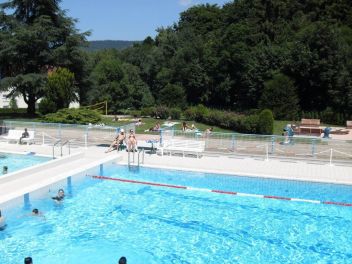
[{"x": 185, "y": 2}]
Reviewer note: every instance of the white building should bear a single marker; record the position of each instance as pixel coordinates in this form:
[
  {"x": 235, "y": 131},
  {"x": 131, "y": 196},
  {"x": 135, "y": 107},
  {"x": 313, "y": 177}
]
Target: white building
[{"x": 5, "y": 102}]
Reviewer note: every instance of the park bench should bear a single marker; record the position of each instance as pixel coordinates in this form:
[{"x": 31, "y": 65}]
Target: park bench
[{"x": 310, "y": 127}]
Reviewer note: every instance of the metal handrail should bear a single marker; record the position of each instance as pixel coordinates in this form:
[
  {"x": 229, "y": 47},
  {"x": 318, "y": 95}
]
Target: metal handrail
[
  {"x": 138, "y": 158},
  {"x": 69, "y": 146},
  {"x": 54, "y": 145},
  {"x": 47, "y": 135}
]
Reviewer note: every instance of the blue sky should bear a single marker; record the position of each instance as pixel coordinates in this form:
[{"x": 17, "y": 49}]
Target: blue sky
[{"x": 127, "y": 19}]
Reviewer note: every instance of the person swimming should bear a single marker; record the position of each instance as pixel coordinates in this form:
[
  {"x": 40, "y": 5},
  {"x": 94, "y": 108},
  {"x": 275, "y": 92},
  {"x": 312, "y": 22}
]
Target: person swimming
[
  {"x": 60, "y": 195},
  {"x": 2, "y": 222}
]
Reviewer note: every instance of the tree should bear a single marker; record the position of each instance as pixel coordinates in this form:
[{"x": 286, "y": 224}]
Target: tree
[
  {"x": 61, "y": 88},
  {"x": 280, "y": 96},
  {"x": 172, "y": 95},
  {"x": 13, "y": 103},
  {"x": 35, "y": 36}
]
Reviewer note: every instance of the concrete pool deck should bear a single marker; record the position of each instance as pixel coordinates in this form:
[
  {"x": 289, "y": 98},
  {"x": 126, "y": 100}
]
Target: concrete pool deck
[
  {"x": 17, "y": 184},
  {"x": 253, "y": 166}
]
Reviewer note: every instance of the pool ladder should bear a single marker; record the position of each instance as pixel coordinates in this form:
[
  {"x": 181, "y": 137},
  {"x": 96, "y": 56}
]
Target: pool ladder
[
  {"x": 131, "y": 158},
  {"x": 67, "y": 142}
]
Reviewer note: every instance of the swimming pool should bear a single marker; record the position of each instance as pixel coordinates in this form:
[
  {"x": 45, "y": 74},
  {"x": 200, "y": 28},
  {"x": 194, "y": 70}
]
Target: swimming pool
[
  {"x": 102, "y": 220},
  {"x": 15, "y": 162}
]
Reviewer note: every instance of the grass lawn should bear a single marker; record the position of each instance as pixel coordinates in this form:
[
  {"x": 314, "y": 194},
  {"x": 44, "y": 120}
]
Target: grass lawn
[
  {"x": 279, "y": 126},
  {"x": 151, "y": 122}
]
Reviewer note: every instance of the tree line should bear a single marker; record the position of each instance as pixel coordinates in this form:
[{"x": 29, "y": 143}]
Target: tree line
[{"x": 286, "y": 55}]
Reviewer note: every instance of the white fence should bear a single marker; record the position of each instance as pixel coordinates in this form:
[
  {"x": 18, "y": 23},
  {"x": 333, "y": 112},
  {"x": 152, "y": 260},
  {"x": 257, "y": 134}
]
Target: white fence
[
  {"x": 271, "y": 146},
  {"x": 80, "y": 135}
]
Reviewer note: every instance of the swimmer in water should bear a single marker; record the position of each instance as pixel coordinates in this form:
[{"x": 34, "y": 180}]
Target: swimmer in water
[
  {"x": 36, "y": 212},
  {"x": 60, "y": 196}
]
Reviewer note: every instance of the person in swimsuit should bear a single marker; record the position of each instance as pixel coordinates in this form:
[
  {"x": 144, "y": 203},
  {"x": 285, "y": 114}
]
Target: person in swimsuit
[
  {"x": 117, "y": 141},
  {"x": 132, "y": 142},
  {"x": 60, "y": 196}
]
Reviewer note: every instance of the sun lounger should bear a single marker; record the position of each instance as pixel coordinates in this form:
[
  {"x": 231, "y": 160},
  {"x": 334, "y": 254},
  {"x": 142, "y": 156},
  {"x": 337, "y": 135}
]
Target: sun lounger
[
  {"x": 15, "y": 135},
  {"x": 183, "y": 146}
]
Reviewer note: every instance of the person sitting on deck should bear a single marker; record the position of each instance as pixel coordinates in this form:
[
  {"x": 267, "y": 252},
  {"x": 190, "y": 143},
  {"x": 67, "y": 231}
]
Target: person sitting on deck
[
  {"x": 25, "y": 134},
  {"x": 208, "y": 131},
  {"x": 118, "y": 141},
  {"x": 132, "y": 141},
  {"x": 154, "y": 129},
  {"x": 184, "y": 127}
]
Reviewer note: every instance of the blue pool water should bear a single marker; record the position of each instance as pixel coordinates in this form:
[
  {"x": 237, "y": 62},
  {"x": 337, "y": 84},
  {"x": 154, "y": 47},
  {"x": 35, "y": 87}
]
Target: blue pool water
[
  {"x": 102, "y": 220},
  {"x": 16, "y": 162}
]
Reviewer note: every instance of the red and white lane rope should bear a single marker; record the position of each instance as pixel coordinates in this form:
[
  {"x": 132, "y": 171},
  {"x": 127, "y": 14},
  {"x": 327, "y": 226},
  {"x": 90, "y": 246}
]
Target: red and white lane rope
[{"x": 220, "y": 191}]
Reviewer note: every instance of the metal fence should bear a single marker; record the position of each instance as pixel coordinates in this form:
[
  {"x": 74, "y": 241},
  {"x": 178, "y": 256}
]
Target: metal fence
[
  {"x": 271, "y": 146},
  {"x": 80, "y": 135}
]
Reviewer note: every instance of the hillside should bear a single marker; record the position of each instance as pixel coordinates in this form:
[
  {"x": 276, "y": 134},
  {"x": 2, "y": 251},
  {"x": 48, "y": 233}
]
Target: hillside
[{"x": 96, "y": 45}]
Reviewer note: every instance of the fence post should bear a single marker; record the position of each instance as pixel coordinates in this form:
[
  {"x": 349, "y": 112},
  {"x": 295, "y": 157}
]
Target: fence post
[
  {"x": 59, "y": 131},
  {"x": 161, "y": 137},
  {"x": 267, "y": 152},
  {"x": 331, "y": 157},
  {"x": 313, "y": 147},
  {"x": 272, "y": 144},
  {"x": 85, "y": 141},
  {"x": 233, "y": 142}
]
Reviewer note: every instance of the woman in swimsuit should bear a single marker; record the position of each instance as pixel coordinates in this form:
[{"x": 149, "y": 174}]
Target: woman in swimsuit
[{"x": 132, "y": 142}]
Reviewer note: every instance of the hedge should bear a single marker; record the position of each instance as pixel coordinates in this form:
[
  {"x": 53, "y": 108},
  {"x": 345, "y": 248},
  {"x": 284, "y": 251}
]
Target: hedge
[
  {"x": 261, "y": 123},
  {"x": 73, "y": 116}
]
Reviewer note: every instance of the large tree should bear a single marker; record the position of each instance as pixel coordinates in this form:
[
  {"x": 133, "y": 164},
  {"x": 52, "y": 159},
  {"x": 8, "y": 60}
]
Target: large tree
[{"x": 36, "y": 36}]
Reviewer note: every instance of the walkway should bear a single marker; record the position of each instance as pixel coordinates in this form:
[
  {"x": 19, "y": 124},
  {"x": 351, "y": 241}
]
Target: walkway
[{"x": 19, "y": 183}]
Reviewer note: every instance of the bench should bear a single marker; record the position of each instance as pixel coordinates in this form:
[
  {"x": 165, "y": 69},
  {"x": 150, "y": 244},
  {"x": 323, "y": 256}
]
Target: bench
[
  {"x": 183, "y": 146},
  {"x": 15, "y": 135},
  {"x": 310, "y": 122},
  {"x": 349, "y": 124}
]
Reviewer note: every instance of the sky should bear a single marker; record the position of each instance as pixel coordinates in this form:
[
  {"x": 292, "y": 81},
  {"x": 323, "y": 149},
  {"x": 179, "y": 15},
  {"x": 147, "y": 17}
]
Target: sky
[{"x": 127, "y": 19}]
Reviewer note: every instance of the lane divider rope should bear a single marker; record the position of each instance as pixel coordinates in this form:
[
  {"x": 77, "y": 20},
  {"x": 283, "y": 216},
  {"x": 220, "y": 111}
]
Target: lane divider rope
[{"x": 221, "y": 191}]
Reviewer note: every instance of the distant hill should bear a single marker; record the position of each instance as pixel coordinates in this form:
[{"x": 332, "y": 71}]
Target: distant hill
[{"x": 96, "y": 45}]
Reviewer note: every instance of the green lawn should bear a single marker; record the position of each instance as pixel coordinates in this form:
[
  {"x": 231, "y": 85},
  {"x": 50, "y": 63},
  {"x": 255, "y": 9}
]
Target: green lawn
[{"x": 151, "y": 122}]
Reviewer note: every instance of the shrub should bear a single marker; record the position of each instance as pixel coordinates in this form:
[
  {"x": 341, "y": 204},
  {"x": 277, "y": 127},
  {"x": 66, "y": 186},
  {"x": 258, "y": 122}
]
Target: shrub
[
  {"x": 46, "y": 106},
  {"x": 196, "y": 113},
  {"x": 135, "y": 113},
  {"x": 280, "y": 95},
  {"x": 327, "y": 116},
  {"x": 73, "y": 116},
  {"x": 175, "y": 113},
  {"x": 162, "y": 112},
  {"x": 266, "y": 122},
  {"x": 253, "y": 123},
  {"x": 148, "y": 111},
  {"x": 190, "y": 113}
]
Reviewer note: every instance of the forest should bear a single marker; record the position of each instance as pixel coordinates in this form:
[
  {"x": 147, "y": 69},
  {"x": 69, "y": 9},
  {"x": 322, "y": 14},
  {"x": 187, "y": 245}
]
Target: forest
[{"x": 290, "y": 56}]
